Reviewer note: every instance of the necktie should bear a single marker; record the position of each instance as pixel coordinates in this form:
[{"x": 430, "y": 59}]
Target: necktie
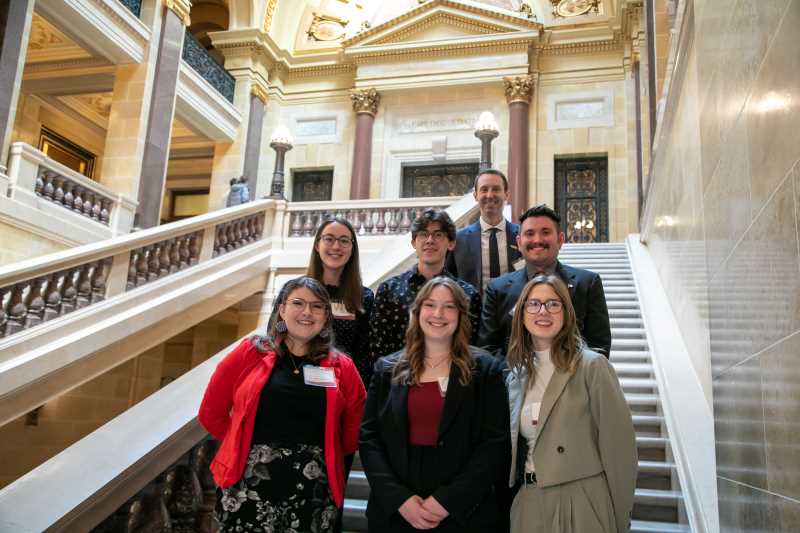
[{"x": 494, "y": 254}]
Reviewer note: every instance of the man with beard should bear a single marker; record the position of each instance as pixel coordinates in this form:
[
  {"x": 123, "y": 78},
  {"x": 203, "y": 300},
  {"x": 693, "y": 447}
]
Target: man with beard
[
  {"x": 539, "y": 240},
  {"x": 486, "y": 249}
]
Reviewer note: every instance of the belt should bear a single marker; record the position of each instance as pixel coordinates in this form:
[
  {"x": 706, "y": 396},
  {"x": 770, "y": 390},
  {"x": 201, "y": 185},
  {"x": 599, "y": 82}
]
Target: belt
[{"x": 530, "y": 478}]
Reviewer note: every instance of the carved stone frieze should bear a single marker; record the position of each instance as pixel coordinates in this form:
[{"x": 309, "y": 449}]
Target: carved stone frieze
[
  {"x": 365, "y": 100},
  {"x": 519, "y": 88}
]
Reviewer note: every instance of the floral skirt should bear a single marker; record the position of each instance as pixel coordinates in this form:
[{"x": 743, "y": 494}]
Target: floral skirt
[{"x": 284, "y": 489}]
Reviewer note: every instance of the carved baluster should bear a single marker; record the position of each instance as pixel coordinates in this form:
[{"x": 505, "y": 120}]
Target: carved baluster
[
  {"x": 236, "y": 229},
  {"x": 183, "y": 252},
  {"x": 52, "y": 300},
  {"x": 141, "y": 266},
  {"x": 248, "y": 229},
  {"x": 230, "y": 231},
  {"x": 174, "y": 255},
  {"x": 308, "y": 226},
  {"x": 16, "y": 310},
  {"x": 39, "y": 187},
  {"x": 369, "y": 224},
  {"x": 77, "y": 203},
  {"x": 69, "y": 294},
  {"x": 380, "y": 226},
  {"x": 164, "y": 258},
  {"x": 134, "y": 258},
  {"x": 105, "y": 214},
  {"x": 49, "y": 190},
  {"x": 88, "y": 202},
  {"x": 260, "y": 226},
  {"x": 223, "y": 238},
  {"x": 34, "y": 301},
  {"x": 99, "y": 276},
  {"x": 194, "y": 248},
  {"x": 392, "y": 221},
  {"x": 153, "y": 263},
  {"x": 84, "y": 286},
  {"x": 97, "y": 207},
  {"x": 3, "y": 292},
  {"x": 58, "y": 191},
  {"x": 405, "y": 221},
  {"x": 69, "y": 198},
  {"x": 297, "y": 226}
]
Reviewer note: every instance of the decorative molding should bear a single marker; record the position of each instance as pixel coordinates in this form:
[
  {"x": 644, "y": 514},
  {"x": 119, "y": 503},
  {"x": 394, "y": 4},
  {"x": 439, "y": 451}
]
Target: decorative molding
[
  {"x": 203, "y": 109},
  {"x": 271, "y": 5},
  {"x": 77, "y": 63},
  {"x": 258, "y": 90},
  {"x": 365, "y": 100},
  {"x": 182, "y": 8},
  {"x": 443, "y": 18},
  {"x": 584, "y": 109},
  {"x": 589, "y": 47},
  {"x": 365, "y": 55},
  {"x": 519, "y": 88}
]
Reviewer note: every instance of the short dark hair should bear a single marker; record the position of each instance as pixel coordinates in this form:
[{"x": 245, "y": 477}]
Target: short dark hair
[
  {"x": 494, "y": 172},
  {"x": 541, "y": 210},
  {"x": 430, "y": 216}
]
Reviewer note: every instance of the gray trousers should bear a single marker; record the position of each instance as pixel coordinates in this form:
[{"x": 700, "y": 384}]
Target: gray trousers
[{"x": 581, "y": 506}]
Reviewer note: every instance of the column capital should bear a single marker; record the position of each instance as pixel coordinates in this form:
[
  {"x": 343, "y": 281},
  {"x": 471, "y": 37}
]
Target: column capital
[
  {"x": 182, "y": 8},
  {"x": 259, "y": 91},
  {"x": 365, "y": 100},
  {"x": 519, "y": 88}
]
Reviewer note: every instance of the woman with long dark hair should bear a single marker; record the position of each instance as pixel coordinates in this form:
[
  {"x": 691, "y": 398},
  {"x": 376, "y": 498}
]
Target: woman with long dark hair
[
  {"x": 572, "y": 437},
  {"x": 335, "y": 263},
  {"x": 435, "y": 429},
  {"x": 286, "y": 409}
]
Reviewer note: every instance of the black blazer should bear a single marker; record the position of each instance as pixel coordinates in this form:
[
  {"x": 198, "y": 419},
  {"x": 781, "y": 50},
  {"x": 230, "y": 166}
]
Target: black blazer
[
  {"x": 474, "y": 437},
  {"x": 588, "y": 298},
  {"x": 465, "y": 261}
]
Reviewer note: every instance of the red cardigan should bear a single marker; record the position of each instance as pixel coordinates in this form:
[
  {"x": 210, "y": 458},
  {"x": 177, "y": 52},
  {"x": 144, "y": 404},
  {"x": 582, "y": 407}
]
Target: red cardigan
[{"x": 228, "y": 412}]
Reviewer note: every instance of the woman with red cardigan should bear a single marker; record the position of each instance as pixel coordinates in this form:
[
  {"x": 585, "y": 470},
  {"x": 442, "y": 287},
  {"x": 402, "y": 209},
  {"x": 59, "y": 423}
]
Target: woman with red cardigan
[{"x": 286, "y": 409}]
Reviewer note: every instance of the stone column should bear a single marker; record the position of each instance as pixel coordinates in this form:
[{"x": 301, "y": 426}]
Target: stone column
[
  {"x": 365, "y": 104},
  {"x": 162, "y": 111},
  {"x": 518, "y": 95},
  {"x": 255, "y": 126},
  {"x": 15, "y": 27}
]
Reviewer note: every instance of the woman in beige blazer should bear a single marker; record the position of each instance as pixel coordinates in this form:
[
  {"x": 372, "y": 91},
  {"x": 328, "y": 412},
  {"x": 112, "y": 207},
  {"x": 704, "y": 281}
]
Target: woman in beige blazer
[{"x": 572, "y": 438}]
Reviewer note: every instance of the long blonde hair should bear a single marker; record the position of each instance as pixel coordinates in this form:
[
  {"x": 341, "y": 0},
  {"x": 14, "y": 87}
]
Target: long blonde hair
[
  {"x": 567, "y": 345},
  {"x": 409, "y": 368}
]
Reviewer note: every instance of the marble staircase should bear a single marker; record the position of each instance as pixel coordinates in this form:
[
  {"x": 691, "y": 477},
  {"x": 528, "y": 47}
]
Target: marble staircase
[{"x": 658, "y": 498}]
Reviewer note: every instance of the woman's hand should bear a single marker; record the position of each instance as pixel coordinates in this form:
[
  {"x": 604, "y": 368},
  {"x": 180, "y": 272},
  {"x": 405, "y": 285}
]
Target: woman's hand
[
  {"x": 416, "y": 515},
  {"x": 435, "y": 508}
]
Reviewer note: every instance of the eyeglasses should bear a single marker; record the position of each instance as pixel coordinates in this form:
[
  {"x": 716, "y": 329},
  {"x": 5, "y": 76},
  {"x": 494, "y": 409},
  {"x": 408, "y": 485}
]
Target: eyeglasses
[
  {"x": 437, "y": 235},
  {"x": 551, "y": 306},
  {"x": 298, "y": 305},
  {"x": 344, "y": 242}
]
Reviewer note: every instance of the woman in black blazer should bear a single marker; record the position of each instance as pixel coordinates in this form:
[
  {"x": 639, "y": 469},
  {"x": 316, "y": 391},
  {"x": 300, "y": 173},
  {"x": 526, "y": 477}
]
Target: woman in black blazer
[{"x": 435, "y": 432}]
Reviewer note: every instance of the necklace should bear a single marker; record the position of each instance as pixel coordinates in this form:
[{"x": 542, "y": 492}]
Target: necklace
[
  {"x": 296, "y": 370},
  {"x": 438, "y": 364}
]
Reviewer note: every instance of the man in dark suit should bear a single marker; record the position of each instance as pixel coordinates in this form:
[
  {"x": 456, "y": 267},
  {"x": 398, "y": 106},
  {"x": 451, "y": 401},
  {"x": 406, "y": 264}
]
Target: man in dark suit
[
  {"x": 488, "y": 248},
  {"x": 540, "y": 238}
]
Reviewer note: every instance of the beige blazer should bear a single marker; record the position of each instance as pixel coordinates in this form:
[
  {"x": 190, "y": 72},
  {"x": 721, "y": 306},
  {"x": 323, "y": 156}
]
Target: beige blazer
[{"x": 585, "y": 428}]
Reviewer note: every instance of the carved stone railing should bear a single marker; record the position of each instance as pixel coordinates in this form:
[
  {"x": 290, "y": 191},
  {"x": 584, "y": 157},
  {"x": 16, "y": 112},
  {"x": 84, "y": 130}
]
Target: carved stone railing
[
  {"x": 197, "y": 57},
  {"x": 38, "y": 181},
  {"x": 134, "y": 6},
  {"x": 368, "y": 217},
  {"x": 42, "y": 289}
]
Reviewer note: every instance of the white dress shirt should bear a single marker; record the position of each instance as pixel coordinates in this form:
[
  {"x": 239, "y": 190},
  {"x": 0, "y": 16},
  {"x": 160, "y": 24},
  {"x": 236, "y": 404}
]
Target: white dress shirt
[
  {"x": 502, "y": 250},
  {"x": 543, "y": 368}
]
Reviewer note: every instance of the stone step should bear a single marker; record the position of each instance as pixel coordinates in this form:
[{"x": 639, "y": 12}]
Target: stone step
[
  {"x": 616, "y": 277},
  {"x": 624, "y": 313},
  {"x": 621, "y": 297},
  {"x": 632, "y": 369},
  {"x": 630, "y": 356},
  {"x": 647, "y": 526},
  {"x": 624, "y": 304},
  {"x": 628, "y": 344},
  {"x": 638, "y": 385},
  {"x": 627, "y": 333},
  {"x": 648, "y": 425},
  {"x": 620, "y": 289},
  {"x": 626, "y": 323},
  {"x": 623, "y": 283}
]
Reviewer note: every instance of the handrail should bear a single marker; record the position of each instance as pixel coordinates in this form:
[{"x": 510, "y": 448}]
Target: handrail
[{"x": 43, "y": 288}]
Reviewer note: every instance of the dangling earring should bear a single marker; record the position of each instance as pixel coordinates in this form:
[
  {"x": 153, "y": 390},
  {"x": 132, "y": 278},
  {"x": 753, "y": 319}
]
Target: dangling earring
[{"x": 280, "y": 327}]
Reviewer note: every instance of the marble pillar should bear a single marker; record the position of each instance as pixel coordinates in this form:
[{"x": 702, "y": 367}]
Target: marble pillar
[
  {"x": 15, "y": 26},
  {"x": 255, "y": 125},
  {"x": 518, "y": 95},
  {"x": 162, "y": 111},
  {"x": 365, "y": 104}
]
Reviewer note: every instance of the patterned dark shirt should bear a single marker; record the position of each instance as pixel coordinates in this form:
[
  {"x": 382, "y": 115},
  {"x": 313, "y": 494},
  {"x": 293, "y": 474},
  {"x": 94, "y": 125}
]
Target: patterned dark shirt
[{"x": 393, "y": 302}]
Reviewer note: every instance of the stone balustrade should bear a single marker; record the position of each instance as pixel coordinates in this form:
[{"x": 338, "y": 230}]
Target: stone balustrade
[
  {"x": 52, "y": 286},
  {"x": 197, "y": 57},
  {"x": 38, "y": 182},
  {"x": 368, "y": 217}
]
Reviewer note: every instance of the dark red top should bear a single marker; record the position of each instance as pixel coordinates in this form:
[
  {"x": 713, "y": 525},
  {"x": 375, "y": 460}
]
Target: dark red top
[{"x": 425, "y": 405}]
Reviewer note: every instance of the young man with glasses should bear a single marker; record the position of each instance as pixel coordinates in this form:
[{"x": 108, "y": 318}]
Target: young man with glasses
[
  {"x": 540, "y": 239},
  {"x": 433, "y": 234}
]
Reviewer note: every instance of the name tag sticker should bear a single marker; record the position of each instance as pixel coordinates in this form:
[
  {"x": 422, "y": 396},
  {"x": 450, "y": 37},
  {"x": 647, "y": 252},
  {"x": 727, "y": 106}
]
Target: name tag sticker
[
  {"x": 318, "y": 376},
  {"x": 530, "y": 413},
  {"x": 340, "y": 312}
]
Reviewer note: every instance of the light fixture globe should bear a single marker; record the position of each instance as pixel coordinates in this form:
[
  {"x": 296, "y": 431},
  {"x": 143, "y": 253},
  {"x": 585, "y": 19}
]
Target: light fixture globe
[
  {"x": 281, "y": 136},
  {"x": 486, "y": 124}
]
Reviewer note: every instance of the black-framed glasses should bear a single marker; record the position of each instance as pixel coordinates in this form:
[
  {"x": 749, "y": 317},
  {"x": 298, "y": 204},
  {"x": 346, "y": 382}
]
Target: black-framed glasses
[
  {"x": 437, "y": 235},
  {"x": 298, "y": 305},
  {"x": 344, "y": 242},
  {"x": 551, "y": 306}
]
